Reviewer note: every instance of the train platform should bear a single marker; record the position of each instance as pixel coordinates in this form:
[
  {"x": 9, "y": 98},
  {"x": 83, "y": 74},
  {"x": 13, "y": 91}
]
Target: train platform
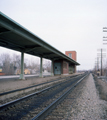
[{"x": 15, "y": 83}]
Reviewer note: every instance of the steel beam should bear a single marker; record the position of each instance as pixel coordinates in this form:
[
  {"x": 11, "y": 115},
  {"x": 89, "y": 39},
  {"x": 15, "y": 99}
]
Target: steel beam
[{"x": 31, "y": 49}]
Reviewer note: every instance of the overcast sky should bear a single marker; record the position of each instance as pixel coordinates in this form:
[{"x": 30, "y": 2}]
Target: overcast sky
[{"x": 65, "y": 24}]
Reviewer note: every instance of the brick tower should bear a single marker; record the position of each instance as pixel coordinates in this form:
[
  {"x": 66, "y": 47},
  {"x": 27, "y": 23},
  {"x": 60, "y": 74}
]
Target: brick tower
[{"x": 72, "y": 55}]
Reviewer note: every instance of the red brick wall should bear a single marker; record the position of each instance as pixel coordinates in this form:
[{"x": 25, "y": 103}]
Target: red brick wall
[
  {"x": 65, "y": 67},
  {"x": 74, "y": 57},
  {"x": 73, "y": 54}
]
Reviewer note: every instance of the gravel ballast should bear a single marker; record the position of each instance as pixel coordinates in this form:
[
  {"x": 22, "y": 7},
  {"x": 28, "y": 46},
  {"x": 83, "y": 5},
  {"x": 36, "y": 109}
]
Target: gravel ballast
[
  {"x": 82, "y": 104},
  {"x": 88, "y": 103}
]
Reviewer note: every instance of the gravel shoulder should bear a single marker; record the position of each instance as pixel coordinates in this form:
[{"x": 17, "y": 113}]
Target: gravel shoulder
[
  {"x": 83, "y": 103},
  {"x": 101, "y": 85},
  {"x": 89, "y": 105}
]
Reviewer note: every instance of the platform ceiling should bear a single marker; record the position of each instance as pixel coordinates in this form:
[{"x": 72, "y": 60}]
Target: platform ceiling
[{"x": 16, "y": 37}]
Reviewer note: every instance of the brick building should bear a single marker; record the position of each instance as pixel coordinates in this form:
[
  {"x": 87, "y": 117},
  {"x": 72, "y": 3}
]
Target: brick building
[
  {"x": 72, "y": 55},
  {"x": 64, "y": 67}
]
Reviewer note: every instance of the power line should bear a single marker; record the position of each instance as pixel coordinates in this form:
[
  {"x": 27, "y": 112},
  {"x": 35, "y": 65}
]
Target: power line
[{"x": 104, "y": 37}]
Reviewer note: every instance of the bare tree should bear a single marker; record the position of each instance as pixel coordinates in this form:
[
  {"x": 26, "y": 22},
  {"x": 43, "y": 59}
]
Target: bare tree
[
  {"x": 10, "y": 64},
  {"x": 17, "y": 61},
  {"x": 34, "y": 66},
  {"x": 6, "y": 62},
  {"x": 47, "y": 65}
]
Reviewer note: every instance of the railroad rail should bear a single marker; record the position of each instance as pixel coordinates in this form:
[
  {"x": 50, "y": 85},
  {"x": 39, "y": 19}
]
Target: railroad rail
[
  {"x": 49, "y": 108},
  {"x": 41, "y": 98},
  {"x": 7, "y": 96},
  {"x": 30, "y": 95},
  {"x": 5, "y": 93}
]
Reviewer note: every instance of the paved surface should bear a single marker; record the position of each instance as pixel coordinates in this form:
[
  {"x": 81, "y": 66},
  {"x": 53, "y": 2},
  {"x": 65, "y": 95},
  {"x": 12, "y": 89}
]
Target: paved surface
[
  {"x": 15, "y": 76},
  {"x": 26, "y": 76}
]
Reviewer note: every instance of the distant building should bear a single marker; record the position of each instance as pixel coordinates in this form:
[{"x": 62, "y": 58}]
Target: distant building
[
  {"x": 26, "y": 71},
  {"x": 18, "y": 71},
  {"x": 1, "y": 71}
]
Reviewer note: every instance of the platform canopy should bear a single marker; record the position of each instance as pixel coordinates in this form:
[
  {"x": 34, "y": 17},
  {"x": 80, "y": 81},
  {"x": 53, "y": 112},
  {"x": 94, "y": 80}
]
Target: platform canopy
[{"x": 16, "y": 37}]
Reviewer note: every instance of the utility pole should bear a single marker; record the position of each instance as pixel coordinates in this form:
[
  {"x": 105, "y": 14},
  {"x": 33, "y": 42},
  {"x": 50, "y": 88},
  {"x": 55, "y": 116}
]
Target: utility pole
[
  {"x": 105, "y": 37},
  {"x": 101, "y": 56},
  {"x": 105, "y": 40},
  {"x": 101, "y": 63},
  {"x": 98, "y": 63}
]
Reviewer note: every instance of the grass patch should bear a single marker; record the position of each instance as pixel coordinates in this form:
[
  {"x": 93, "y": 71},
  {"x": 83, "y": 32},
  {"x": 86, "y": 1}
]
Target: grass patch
[{"x": 101, "y": 86}]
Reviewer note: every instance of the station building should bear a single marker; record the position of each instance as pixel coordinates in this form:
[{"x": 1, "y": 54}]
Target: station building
[{"x": 63, "y": 66}]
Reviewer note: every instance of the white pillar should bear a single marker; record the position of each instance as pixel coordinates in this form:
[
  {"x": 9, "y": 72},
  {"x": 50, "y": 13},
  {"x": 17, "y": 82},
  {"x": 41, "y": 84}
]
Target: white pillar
[
  {"x": 41, "y": 67},
  {"x": 22, "y": 66},
  {"x": 52, "y": 74}
]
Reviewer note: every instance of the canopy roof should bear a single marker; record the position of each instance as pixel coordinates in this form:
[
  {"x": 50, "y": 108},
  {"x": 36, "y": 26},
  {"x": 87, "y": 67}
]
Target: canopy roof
[{"x": 16, "y": 37}]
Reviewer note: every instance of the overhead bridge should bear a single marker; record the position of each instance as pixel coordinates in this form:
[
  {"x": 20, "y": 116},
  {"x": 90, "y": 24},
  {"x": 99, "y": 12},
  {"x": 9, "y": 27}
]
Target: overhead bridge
[{"x": 16, "y": 37}]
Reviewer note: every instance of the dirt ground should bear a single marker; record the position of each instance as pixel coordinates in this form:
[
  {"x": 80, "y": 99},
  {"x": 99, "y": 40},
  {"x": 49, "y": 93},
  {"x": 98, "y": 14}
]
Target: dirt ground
[{"x": 8, "y": 84}]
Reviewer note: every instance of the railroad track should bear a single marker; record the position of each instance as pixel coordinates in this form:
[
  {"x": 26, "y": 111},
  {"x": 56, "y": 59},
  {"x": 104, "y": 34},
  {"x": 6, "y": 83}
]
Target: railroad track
[
  {"x": 32, "y": 105},
  {"x": 50, "y": 107},
  {"x": 34, "y": 93},
  {"x": 14, "y": 94}
]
